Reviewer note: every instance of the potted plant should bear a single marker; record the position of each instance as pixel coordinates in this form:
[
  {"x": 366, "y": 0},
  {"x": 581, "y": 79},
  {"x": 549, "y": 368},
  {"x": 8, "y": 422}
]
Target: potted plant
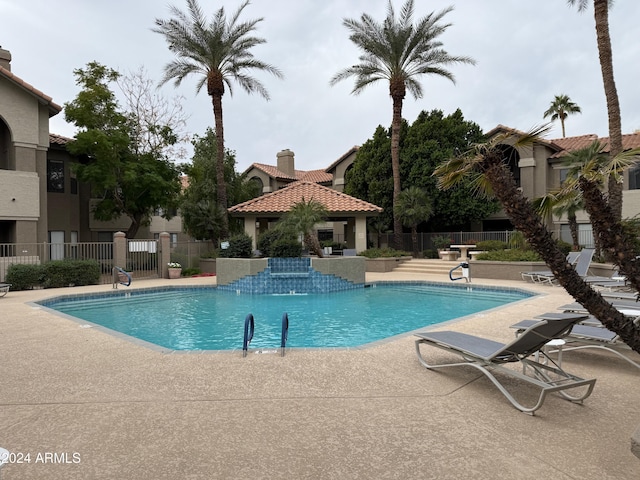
[{"x": 175, "y": 269}]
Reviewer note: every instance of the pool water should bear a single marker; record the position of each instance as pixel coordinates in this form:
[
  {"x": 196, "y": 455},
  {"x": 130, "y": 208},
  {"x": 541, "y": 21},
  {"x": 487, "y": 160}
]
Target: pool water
[{"x": 209, "y": 319}]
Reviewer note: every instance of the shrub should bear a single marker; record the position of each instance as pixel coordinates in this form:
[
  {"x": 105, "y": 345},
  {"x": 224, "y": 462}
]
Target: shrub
[
  {"x": 441, "y": 242},
  {"x": 286, "y": 248},
  {"x": 383, "y": 253},
  {"x": 513, "y": 255},
  {"x": 268, "y": 239},
  {"x": 240, "y": 246},
  {"x": 430, "y": 254},
  {"x": 565, "y": 247},
  {"x": 24, "y": 277},
  {"x": 63, "y": 273},
  {"x": 188, "y": 272},
  {"x": 491, "y": 245}
]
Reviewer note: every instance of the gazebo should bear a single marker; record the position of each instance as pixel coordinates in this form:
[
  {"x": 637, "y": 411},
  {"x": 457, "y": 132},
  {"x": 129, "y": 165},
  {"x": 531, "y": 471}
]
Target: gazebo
[{"x": 349, "y": 211}]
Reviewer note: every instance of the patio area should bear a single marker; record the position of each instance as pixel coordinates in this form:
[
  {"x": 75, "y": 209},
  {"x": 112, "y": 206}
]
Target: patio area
[{"x": 110, "y": 409}]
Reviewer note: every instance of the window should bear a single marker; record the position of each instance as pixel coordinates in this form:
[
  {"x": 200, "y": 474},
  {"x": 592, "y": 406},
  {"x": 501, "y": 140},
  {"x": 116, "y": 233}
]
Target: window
[
  {"x": 634, "y": 178},
  {"x": 563, "y": 175},
  {"x": 55, "y": 176}
]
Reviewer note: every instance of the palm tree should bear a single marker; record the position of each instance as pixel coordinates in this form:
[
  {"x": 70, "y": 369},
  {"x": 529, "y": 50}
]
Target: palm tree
[
  {"x": 560, "y": 108},
  {"x": 559, "y": 204},
  {"x": 219, "y": 51},
  {"x": 601, "y": 14},
  {"x": 414, "y": 206},
  {"x": 302, "y": 217},
  {"x": 484, "y": 164},
  {"x": 398, "y": 51}
]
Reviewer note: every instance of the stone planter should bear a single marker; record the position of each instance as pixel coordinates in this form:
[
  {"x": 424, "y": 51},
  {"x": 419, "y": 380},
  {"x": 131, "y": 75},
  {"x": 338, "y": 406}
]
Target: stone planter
[
  {"x": 207, "y": 265},
  {"x": 175, "y": 272}
]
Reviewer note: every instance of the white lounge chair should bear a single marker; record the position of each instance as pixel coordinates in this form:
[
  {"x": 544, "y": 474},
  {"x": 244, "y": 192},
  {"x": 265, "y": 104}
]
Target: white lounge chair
[
  {"x": 4, "y": 289},
  {"x": 488, "y": 356},
  {"x": 581, "y": 267},
  {"x": 572, "y": 257}
]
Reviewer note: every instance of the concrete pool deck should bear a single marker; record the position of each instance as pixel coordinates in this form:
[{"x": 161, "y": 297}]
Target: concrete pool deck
[{"x": 88, "y": 405}]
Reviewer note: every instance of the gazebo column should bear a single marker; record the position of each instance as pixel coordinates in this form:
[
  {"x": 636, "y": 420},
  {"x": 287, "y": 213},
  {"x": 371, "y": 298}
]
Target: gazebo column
[
  {"x": 361, "y": 233},
  {"x": 250, "y": 229}
]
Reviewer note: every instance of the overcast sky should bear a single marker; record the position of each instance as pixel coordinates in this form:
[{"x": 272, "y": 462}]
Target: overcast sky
[{"x": 526, "y": 52}]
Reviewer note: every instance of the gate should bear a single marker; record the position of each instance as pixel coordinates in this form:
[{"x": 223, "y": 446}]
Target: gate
[{"x": 143, "y": 259}]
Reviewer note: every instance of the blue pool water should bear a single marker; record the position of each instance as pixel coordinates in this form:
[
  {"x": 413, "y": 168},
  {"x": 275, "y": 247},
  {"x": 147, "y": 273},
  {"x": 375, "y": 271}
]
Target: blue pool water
[{"x": 209, "y": 319}]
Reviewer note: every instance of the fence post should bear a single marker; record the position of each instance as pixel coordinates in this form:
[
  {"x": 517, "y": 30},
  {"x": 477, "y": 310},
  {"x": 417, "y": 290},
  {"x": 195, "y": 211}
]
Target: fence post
[
  {"x": 120, "y": 250},
  {"x": 165, "y": 253}
]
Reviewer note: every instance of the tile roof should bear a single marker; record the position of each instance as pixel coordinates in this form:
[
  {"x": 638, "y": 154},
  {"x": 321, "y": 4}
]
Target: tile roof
[
  {"x": 58, "y": 139},
  {"x": 571, "y": 144},
  {"x": 54, "y": 108},
  {"x": 281, "y": 201},
  {"x": 315, "y": 176}
]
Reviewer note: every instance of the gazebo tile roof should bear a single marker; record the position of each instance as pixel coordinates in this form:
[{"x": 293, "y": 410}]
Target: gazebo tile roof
[{"x": 281, "y": 201}]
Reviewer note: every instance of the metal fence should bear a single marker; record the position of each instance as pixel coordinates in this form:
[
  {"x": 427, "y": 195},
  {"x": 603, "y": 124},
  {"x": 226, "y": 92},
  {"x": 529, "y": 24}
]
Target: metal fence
[
  {"x": 425, "y": 240},
  {"x": 143, "y": 259},
  {"x": 188, "y": 254}
]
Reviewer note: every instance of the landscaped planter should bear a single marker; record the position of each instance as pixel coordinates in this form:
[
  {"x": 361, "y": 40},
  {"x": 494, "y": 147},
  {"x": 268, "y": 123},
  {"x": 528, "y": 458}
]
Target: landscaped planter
[
  {"x": 384, "y": 264},
  {"x": 207, "y": 265},
  {"x": 512, "y": 270}
]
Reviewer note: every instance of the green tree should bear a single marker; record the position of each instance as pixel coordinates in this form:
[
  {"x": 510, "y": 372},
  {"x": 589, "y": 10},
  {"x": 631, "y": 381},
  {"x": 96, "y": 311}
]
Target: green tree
[
  {"x": 560, "y": 108},
  {"x": 413, "y": 208},
  {"x": 220, "y": 52},
  {"x": 558, "y": 204},
  {"x": 302, "y": 218},
  {"x": 429, "y": 141},
  {"x": 485, "y": 166},
  {"x": 398, "y": 51},
  {"x": 127, "y": 178},
  {"x": 601, "y": 15},
  {"x": 201, "y": 214}
]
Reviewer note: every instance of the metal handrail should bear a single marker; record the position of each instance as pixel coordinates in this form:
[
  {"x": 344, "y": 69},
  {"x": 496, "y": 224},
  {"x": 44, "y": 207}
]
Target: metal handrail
[
  {"x": 249, "y": 327},
  {"x": 285, "y": 333},
  {"x": 117, "y": 271}
]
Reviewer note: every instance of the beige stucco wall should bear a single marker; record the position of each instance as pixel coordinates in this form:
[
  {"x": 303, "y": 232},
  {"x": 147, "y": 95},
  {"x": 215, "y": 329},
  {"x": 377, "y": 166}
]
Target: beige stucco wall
[{"x": 20, "y": 195}]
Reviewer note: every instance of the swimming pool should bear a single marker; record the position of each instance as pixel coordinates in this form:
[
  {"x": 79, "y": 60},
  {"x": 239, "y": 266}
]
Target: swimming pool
[{"x": 208, "y": 319}]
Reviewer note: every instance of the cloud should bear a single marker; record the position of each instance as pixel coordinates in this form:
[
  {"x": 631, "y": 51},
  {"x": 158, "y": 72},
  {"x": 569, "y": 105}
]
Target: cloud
[{"x": 526, "y": 53}]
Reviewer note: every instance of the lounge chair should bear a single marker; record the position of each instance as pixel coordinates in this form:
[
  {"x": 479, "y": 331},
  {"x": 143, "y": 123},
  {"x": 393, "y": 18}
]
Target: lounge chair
[
  {"x": 588, "y": 336},
  {"x": 488, "y": 356},
  {"x": 4, "y": 289},
  {"x": 581, "y": 267},
  {"x": 572, "y": 257}
]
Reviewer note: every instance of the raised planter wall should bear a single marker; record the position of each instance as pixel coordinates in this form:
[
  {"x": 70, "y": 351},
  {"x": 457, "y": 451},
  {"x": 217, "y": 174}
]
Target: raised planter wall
[
  {"x": 512, "y": 270},
  {"x": 383, "y": 265},
  {"x": 207, "y": 265}
]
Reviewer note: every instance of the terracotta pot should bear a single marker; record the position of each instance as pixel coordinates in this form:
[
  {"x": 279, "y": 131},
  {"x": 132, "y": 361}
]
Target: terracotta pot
[{"x": 175, "y": 272}]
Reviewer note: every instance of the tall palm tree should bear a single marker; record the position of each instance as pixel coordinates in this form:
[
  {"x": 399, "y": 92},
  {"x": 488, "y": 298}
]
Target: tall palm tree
[
  {"x": 601, "y": 15},
  {"x": 560, "y": 108},
  {"x": 219, "y": 51},
  {"x": 414, "y": 206},
  {"x": 302, "y": 217},
  {"x": 398, "y": 51},
  {"x": 485, "y": 166}
]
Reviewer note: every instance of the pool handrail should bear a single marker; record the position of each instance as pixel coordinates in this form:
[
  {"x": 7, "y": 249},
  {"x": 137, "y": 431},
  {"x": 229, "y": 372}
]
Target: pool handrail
[
  {"x": 285, "y": 333},
  {"x": 116, "y": 272},
  {"x": 249, "y": 327}
]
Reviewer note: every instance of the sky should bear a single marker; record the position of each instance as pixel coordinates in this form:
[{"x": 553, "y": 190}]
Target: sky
[{"x": 526, "y": 53}]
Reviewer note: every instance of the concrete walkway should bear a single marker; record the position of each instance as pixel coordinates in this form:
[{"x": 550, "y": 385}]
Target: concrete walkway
[{"x": 87, "y": 405}]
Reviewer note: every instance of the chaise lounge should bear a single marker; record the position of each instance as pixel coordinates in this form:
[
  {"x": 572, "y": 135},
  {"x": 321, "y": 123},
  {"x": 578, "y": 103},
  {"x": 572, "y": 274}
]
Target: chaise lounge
[
  {"x": 4, "y": 289},
  {"x": 489, "y": 356}
]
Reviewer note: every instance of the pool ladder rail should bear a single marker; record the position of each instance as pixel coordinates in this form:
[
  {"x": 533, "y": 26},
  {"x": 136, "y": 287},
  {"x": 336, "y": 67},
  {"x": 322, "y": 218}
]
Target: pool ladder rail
[
  {"x": 249, "y": 329},
  {"x": 120, "y": 276}
]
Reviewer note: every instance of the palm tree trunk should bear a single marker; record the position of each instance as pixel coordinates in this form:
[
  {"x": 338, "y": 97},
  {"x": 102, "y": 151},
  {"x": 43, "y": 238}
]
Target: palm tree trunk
[
  {"x": 601, "y": 14},
  {"x": 396, "y": 124},
  {"x": 414, "y": 240},
  {"x": 524, "y": 218},
  {"x": 221, "y": 188},
  {"x": 573, "y": 227}
]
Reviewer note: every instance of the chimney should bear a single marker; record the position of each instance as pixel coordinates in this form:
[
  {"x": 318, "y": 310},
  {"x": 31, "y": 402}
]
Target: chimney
[
  {"x": 5, "y": 58},
  {"x": 286, "y": 163}
]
